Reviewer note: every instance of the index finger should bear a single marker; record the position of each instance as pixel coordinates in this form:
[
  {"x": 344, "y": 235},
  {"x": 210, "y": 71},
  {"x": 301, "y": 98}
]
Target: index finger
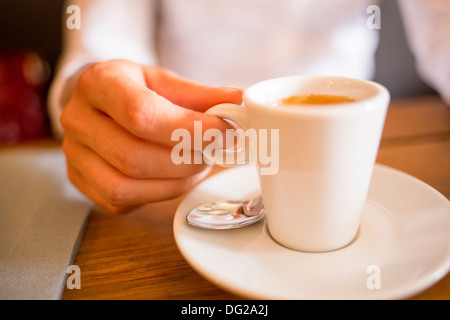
[{"x": 142, "y": 111}]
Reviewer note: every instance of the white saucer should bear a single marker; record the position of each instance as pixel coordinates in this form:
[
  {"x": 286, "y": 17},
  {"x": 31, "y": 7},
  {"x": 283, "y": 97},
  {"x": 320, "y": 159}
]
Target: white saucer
[{"x": 403, "y": 246}]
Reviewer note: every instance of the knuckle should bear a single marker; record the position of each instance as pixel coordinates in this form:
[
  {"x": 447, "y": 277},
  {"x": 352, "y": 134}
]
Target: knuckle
[
  {"x": 88, "y": 77},
  {"x": 141, "y": 115},
  {"x": 133, "y": 164},
  {"x": 116, "y": 193},
  {"x": 66, "y": 118},
  {"x": 70, "y": 119}
]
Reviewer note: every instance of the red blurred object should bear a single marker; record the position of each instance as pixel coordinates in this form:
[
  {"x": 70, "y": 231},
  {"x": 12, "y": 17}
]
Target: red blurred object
[{"x": 24, "y": 78}]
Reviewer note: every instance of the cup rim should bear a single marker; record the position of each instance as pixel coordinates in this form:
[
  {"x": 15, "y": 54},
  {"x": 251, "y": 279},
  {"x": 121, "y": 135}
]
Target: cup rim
[{"x": 382, "y": 94}]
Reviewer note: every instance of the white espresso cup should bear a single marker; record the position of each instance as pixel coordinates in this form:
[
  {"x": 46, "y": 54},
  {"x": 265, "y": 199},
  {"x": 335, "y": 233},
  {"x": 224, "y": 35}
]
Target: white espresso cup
[{"x": 326, "y": 155}]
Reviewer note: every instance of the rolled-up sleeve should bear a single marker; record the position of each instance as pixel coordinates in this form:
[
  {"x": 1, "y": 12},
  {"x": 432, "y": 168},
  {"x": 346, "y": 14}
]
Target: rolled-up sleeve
[{"x": 108, "y": 29}]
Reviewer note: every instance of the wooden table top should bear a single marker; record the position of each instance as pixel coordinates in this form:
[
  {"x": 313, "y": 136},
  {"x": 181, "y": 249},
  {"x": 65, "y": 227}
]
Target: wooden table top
[{"x": 135, "y": 256}]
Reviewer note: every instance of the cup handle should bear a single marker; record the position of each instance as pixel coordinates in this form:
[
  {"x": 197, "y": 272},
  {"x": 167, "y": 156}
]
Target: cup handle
[{"x": 237, "y": 114}]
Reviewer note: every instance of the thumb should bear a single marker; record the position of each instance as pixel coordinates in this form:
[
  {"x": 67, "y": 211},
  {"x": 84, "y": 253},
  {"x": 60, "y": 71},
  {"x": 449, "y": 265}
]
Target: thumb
[{"x": 189, "y": 94}]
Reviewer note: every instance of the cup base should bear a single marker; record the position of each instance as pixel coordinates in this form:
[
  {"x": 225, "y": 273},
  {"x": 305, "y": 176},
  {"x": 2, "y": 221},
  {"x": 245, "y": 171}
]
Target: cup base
[{"x": 354, "y": 239}]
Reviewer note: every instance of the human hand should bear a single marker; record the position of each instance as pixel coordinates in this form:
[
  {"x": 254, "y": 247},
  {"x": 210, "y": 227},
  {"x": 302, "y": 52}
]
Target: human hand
[{"x": 117, "y": 132}]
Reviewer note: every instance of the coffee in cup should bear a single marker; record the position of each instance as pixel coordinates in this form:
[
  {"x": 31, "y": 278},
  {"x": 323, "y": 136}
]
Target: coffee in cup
[{"x": 312, "y": 99}]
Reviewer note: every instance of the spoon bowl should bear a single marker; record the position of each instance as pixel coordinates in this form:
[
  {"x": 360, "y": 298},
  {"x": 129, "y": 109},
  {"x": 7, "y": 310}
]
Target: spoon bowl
[{"x": 226, "y": 214}]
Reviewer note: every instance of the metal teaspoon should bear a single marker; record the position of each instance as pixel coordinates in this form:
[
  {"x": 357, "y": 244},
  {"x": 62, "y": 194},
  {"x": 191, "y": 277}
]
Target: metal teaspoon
[{"x": 226, "y": 214}]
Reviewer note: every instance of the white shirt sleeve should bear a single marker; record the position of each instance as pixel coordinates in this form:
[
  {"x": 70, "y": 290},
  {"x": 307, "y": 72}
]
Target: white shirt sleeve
[
  {"x": 109, "y": 29},
  {"x": 427, "y": 24}
]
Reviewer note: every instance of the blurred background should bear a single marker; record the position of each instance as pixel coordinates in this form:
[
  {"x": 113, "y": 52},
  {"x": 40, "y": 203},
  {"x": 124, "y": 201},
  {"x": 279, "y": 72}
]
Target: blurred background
[{"x": 30, "y": 43}]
